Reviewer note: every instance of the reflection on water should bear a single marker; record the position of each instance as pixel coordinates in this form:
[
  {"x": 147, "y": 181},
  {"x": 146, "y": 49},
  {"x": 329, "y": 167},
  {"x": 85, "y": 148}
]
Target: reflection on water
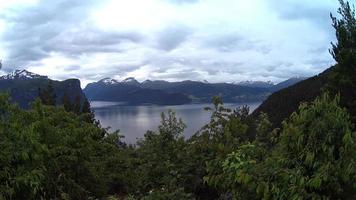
[{"x": 134, "y": 121}]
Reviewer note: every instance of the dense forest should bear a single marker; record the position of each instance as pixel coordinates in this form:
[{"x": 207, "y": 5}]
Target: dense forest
[{"x": 60, "y": 152}]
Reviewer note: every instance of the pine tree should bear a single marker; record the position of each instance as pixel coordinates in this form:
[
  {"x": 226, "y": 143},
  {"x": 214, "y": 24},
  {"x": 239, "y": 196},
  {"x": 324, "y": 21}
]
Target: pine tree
[
  {"x": 67, "y": 103},
  {"x": 77, "y": 106},
  {"x": 86, "y": 106},
  {"x": 343, "y": 79},
  {"x": 87, "y": 111},
  {"x": 48, "y": 96}
]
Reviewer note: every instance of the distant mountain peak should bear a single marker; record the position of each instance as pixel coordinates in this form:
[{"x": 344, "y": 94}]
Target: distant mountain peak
[
  {"x": 22, "y": 74},
  {"x": 108, "y": 81},
  {"x": 259, "y": 84},
  {"x": 131, "y": 81},
  {"x": 147, "y": 81}
]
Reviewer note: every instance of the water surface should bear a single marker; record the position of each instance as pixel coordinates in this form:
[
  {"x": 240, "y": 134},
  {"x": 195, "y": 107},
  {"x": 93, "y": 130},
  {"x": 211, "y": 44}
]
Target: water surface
[{"x": 134, "y": 121}]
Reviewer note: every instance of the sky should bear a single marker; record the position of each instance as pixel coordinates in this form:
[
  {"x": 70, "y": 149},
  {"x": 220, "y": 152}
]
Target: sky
[{"x": 174, "y": 40}]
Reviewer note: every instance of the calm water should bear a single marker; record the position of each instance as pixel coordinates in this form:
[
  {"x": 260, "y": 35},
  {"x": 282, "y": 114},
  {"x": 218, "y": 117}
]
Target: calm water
[{"x": 134, "y": 121}]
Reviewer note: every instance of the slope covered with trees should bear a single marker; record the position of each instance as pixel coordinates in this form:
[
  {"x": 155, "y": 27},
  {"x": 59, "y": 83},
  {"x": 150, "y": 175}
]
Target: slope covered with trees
[
  {"x": 339, "y": 79},
  {"x": 24, "y": 87},
  {"x": 281, "y": 104}
]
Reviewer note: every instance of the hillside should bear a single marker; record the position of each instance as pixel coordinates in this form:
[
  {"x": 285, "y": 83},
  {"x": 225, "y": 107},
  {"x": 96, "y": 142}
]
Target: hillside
[
  {"x": 172, "y": 93},
  {"x": 283, "y": 103},
  {"x": 130, "y": 91},
  {"x": 23, "y": 87}
]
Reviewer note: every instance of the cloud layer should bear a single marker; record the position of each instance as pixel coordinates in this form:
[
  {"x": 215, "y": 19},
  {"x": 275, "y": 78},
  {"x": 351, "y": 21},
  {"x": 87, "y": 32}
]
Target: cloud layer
[{"x": 215, "y": 40}]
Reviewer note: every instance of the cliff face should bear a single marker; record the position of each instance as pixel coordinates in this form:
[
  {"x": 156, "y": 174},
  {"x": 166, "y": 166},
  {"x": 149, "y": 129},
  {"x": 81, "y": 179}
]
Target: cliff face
[{"x": 24, "y": 89}]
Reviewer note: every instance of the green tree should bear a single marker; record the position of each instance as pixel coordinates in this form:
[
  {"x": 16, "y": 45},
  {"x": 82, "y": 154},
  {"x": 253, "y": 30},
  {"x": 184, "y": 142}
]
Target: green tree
[
  {"x": 48, "y": 95},
  {"x": 48, "y": 153},
  {"x": 22, "y": 156},
  {"x": 86, "y": 110},
  {"x": 343, "y": 78},
  {"x": 316, "y": 152},
  {"x": 68, "y": 106},
  {"x": 77, "y": 105},
  {"x": 160, "y": 161},
  {"x": 313, "y": 158},
  {"x": 209, "y": 148},
  {"x": 238, "y": 173}
]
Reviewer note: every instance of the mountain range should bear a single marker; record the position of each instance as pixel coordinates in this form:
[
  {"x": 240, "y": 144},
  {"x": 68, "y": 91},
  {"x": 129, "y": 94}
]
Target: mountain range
[
  {"x": 163, "y": 92},
  {"x": 23, "y": 87}
]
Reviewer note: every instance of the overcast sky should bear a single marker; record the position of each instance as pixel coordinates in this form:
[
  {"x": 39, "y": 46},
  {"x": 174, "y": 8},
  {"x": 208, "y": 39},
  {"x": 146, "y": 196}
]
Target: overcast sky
[{"x": 214, "y": 40}]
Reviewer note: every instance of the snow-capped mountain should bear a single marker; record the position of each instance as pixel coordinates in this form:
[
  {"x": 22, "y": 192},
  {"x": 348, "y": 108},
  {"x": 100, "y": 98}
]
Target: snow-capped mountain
[
  {"x": 109, "y": 81},
  {"x": 146, "y": 82},
  {"x": 258, "y": 84},
  {"x": 23, "y": 87},
  {"x": 127, "y": 81},
  {"x": 22, "y": 74},
  {"x": 131, "y": 81}
]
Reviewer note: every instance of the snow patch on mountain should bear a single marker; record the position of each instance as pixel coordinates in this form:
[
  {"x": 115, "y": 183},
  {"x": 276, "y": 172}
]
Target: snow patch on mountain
[
  {"x": 259, "y": 84},
  {"x": 130, "y": 81},
  {"x": 109, "y": 81},
  {"x": 22, "y": 74}
]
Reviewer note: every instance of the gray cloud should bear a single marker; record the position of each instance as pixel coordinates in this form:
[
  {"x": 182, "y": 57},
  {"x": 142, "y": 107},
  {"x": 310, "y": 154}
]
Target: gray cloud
[
  {"x": 183, "y": 1},
  {"x": 171, "y": 37},
  {"x": 72, "y": 68},
  {"x": 315, "y": 12},
  {"x": 233, "y": 42},
  {"x": 76, "y": 43},
  {"x": 183, "y": 74},
  {"x": 201, "y": 42},
  {"x": 58, "y": 27}
]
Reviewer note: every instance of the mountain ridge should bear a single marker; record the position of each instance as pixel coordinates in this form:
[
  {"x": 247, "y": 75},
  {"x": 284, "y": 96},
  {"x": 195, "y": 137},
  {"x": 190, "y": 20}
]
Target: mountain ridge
[
  {"x": 24, "y": 86},
  {"x": 283, "y": 102},
  {"x": 191, "y": 91}
]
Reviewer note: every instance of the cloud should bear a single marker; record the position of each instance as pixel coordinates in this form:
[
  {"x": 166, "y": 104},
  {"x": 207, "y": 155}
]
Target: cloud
[
  {"x": 171, "y": 37},
  {"x": 233, "y": 42},
  {"x": 316, "y": 12},
  {"x": 183, "y": 1},
  {"x": 216, "y": 40},
  {"x": 58, "y": 27}
]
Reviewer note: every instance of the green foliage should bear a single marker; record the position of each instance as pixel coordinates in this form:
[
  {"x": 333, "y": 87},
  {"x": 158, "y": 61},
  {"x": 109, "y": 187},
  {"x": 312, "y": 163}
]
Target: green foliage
[
  {"x": 316, "y": 152},
  {"x": 47, "y": 96},
  {"x": 79, "y": 107},
  {"x": 50, "y": 153},
  {"x": 312, "y": 159},
  {"x": 22, "y": 155},
  {"x": 169, "y": 167},
  {"x": 343, "y": 79},
  {"x": 61, "y": 152},
  {"x": 209, "y": 148},
  {"x": 160, "y": 161},
  {"x": 237, "y": 172}
]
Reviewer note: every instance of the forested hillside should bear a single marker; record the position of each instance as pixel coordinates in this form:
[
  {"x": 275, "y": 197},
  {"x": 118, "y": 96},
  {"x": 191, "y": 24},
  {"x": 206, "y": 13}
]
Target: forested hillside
[
  {"x": 24, "y": 87},
  {"x": 174, "y": 93},
  {"x": 338, "y": 80},
  {"x": 281, "y": 104}
]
